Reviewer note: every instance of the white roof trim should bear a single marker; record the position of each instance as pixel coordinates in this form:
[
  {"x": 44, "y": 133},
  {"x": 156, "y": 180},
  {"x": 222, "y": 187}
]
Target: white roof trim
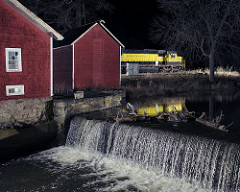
[
  {"x": 112, "y": 35},
  {"x": 61, "y": 47},
  {"x": 83, "y": 34},
  {"x": 104, "y": 29},
  {"x": 34, "y": 19}
]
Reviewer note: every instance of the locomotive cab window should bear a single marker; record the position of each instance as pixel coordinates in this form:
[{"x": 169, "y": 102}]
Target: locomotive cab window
[
  {"x": 172, "y": 56},
  {"x": 13, "y": 60}
]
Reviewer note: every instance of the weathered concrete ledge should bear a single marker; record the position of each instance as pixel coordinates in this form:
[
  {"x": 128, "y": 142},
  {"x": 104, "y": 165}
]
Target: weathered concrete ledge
[
  {"x": 65, "y": 108},
  {"x": 23, "y": 112}
]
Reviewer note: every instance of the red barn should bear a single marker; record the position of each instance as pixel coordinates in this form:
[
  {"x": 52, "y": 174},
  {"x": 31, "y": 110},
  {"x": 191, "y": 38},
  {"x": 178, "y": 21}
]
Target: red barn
[
  {"x": 25, "y": 53},
  {"x": 88, "y": 57}
]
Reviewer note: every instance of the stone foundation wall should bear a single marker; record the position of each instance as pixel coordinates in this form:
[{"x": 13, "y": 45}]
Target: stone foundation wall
[
  {"x": 66, "y": 108},
  {"x": 24, "y": 111}
]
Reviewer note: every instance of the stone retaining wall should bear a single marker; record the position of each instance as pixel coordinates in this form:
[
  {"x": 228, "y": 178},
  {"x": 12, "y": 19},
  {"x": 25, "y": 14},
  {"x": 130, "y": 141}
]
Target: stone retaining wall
[
  {"x": 64, "y": 108},
  {"x": 24, "y": 111}
]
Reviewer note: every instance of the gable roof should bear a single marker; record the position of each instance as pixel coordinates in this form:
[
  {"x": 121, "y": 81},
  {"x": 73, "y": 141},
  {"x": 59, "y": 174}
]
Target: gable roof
[
  {"x": 73, "y": 35},
  {"x": 33, "y": 19}
]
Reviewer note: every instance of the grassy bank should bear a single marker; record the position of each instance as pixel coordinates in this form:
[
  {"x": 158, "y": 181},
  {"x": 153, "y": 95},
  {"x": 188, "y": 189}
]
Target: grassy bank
[{"x": 184, "y": 83}]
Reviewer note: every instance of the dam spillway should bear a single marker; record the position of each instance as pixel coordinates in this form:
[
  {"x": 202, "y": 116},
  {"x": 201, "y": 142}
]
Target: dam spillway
[{"x": 212, "y": 164}]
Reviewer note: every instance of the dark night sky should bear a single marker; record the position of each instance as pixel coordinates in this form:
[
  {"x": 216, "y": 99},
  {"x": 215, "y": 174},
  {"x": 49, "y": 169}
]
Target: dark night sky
[{"x": 130, "y": 22}]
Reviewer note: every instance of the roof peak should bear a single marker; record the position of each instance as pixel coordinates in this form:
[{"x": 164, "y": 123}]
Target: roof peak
[
  {"x": 73, "y": 35},
  {"x": 25, "y": 12}
]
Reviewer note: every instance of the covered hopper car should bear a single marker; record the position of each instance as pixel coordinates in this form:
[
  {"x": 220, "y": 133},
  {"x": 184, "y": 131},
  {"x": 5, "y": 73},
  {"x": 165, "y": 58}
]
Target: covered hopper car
[{"x": 152, "y": 60}]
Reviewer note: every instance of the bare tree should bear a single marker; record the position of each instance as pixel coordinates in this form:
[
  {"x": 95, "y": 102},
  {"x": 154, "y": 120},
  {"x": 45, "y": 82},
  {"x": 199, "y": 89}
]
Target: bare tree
[
  {"x": 63, "y": 15},
  {"x": 197, "y": 28}
]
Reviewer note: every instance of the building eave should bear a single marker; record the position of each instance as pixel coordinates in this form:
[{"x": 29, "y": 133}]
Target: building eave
[
  {"x": 105, "y": 28},
  {"x": 83, "y": 34},
  {"x": 109, "y": 32},
  {"x": 34, "y": 19}
]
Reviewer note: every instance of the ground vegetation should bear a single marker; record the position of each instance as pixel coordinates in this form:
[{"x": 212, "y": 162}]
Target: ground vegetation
[{"x": 182, "y": 83}]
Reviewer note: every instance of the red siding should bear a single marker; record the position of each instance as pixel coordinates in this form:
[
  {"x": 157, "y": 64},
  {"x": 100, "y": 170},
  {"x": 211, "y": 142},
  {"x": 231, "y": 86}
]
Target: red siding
[
  {"x": 62, "y": 69},
  {"x": 97, "y": 60},
  {"x": 98, "y": 63},
  {"x": 83, "y": 63},
  {"x": 18, "y": 32}
]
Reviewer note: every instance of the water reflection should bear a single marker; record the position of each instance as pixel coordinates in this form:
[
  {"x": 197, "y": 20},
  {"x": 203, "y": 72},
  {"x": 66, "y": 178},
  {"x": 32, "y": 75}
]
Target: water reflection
[
  {"x": 154, "y": 107},
  {"x": 212, "y": 105},
  {"x": 26, "y": 140},
  {"x": 8, "y": 133},
  {"x": 151, "y": 106}
]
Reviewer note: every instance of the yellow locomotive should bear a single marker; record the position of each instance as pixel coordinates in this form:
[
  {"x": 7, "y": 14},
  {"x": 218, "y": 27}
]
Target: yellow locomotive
[{"x": 152, "y": 60}]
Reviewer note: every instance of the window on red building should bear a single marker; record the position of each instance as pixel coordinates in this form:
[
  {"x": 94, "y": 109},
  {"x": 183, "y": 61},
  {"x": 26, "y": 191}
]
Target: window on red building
[
  {"x": 15, "y": 90},
  {"x": 13, "y": 60}
]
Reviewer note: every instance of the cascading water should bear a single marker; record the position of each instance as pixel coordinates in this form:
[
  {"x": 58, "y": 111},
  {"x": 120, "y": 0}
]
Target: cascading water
[{"x": 211, "y": 164}]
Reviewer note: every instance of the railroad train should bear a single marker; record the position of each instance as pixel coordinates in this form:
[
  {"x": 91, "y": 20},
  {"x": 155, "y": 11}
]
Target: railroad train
[{"x": 150, "y": 60}]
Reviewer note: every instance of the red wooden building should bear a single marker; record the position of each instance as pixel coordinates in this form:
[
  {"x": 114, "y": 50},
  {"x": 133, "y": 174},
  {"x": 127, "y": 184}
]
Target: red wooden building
[
  {"x": 25, "y": 53},
  {"x": 88, "y": 57}
]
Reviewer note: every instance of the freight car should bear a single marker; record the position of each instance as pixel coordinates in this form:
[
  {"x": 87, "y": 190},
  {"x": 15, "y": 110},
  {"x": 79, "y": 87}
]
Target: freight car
[{"x": 152, "y": 60}]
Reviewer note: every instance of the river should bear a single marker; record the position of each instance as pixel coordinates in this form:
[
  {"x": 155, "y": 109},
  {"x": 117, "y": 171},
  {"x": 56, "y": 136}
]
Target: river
[{"x": 101, "y": 155}]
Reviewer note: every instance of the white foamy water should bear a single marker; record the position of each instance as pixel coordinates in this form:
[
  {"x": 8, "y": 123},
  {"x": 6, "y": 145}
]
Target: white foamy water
[
  {"x": 119, "y": 175},
  {"x": 208, "y": 163}
]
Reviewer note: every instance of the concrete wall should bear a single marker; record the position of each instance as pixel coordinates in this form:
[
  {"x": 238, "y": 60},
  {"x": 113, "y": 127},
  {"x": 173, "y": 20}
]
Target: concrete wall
[
  {"x": 22, "y": 112},
  {"x": 65, "y": 108}
]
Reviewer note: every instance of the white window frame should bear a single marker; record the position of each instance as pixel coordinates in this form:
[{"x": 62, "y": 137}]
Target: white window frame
[
  {"x": 19, "y": 87},
  {"x": 19, "y": 68}
]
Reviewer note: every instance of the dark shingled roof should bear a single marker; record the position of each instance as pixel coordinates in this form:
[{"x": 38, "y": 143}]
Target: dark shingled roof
[{"x": 72, "y": 35}]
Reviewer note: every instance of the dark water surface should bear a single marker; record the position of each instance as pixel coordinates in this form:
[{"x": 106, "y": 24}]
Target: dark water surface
[
  {"x": 22, "y": 141},
  {"x": 213, "y": 106},
  {"x": 165, "y": 156}
]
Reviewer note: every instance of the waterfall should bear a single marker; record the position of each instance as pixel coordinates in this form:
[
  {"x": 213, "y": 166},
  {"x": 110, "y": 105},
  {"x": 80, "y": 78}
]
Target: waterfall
[{"x": 211, "y": 163}]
